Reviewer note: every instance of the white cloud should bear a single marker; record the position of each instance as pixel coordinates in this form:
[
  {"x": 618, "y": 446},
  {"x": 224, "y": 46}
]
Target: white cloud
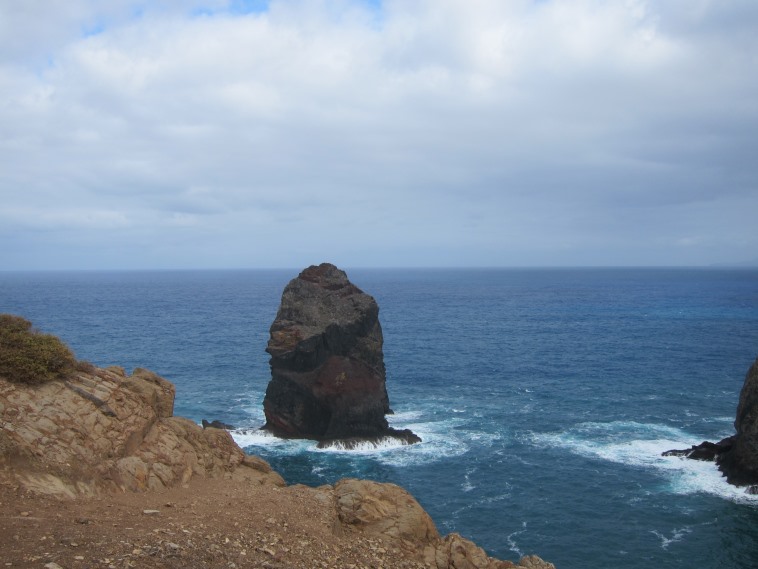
[{"x": 417, "y": 133}]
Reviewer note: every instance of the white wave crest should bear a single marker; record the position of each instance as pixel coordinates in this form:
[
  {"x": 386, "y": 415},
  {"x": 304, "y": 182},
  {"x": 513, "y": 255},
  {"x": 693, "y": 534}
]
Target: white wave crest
[
  {"x": 642, "y": 445},
  {"x": 365, "y": 447},
  {"x": 512, "y": 545},
  {"x": 403, "y": 416},
  {"x": 676, "y": 535},
  {"x": 440, "y": 440}
]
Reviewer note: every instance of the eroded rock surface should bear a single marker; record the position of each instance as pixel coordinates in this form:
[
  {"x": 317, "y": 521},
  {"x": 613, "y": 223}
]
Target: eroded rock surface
[
  {"x": 105, "y": 431},
  {"x": 388, "y": 512},
  {"x": 327, "y": 364}
]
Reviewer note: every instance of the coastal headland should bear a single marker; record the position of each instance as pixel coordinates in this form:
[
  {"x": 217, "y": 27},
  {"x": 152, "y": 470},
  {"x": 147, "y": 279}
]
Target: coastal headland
[{"x": 96, "y": 471}]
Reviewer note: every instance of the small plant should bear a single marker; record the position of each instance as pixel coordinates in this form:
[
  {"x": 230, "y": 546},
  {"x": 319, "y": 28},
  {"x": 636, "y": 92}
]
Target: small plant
[
  {"x": 86, "y": 367},
  {"x": 29, "y": 356}
]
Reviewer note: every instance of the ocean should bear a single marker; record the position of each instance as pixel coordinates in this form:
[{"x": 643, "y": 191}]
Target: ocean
[{"x": 544, "y": 397}]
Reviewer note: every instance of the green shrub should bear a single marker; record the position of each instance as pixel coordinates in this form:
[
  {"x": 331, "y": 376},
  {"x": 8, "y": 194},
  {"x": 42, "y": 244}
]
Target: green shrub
[{"x": 28, "y": 356}]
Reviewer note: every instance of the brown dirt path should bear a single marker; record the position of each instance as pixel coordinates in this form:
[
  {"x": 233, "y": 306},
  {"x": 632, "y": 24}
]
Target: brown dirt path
[{"x": 207, "y": 524}]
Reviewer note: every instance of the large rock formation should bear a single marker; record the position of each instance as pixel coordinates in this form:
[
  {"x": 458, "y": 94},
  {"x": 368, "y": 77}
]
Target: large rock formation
[
  {"x": 737, "y": 455},
  {"x": 327, "y": 365},
  {"x": 101, "y": 430}
]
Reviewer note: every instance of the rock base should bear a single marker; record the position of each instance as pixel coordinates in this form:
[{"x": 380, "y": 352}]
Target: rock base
[{"x": 737, "y": 455}]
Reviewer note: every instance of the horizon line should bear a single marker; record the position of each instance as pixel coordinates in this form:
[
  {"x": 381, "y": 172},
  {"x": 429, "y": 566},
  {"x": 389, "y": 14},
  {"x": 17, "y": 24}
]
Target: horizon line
[{"x": 381, "y": 268}]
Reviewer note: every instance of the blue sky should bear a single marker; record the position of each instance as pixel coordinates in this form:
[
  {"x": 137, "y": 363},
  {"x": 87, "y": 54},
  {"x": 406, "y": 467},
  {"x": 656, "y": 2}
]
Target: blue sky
[{"x": 249, "y": 133}]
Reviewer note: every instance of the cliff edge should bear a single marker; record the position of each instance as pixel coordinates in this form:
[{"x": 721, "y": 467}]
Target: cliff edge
[{"x": 96, "y": 470}]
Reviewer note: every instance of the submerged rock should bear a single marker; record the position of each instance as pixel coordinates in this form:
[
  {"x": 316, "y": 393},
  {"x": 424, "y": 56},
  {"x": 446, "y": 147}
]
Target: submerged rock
[
  {"x": 327, "y": 365},
  {"x": 216, "y": 424},
  {"x": 736, "y": 455}
]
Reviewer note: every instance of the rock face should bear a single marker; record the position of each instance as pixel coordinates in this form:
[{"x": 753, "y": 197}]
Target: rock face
[
  {"x": 740, "y": 462},
  {"x": 737, "y": 455},
  {"x": 327, "y": 365},
  {"x": 102, "y": 431}
]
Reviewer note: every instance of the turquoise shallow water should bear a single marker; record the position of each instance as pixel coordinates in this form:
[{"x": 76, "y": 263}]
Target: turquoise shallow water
[{"x": 544, "y": 397}]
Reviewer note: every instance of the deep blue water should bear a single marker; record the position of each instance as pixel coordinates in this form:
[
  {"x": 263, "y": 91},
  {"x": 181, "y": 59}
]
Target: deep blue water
[{"x": 544, "y": 397}]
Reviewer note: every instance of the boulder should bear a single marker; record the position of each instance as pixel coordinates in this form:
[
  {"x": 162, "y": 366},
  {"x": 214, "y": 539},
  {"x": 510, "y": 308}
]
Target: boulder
[
  {"x": 384, "y": 510},
  {"x": 327, "y": 365}
]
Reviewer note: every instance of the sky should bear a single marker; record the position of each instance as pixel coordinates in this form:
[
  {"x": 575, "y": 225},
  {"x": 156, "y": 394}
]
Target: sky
[{"x": 170, "y": 134}]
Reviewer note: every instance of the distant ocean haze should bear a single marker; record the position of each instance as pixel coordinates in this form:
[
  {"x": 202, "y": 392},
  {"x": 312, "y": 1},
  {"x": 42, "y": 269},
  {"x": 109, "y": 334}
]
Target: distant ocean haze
[{"x": 544, "y": 397}]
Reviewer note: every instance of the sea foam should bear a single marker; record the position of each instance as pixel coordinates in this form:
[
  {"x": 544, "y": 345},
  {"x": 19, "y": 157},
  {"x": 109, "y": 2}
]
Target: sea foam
[{"x": 642, "y": 445}]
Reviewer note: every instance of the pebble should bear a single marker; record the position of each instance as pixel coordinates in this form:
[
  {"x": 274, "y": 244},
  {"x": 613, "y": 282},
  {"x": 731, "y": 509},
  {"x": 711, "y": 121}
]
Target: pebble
[{"x": 151, "y": 512}]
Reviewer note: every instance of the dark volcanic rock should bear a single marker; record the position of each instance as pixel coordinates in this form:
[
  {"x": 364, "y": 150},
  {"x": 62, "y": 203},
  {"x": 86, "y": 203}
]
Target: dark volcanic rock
[
  {"x": 737, "y": 455},
  {"x": 740, "y": 463},
  {"x": 706, "y": 450},
  {"x": 216, "y": 424},
  {"x": 327, "y": 365}
]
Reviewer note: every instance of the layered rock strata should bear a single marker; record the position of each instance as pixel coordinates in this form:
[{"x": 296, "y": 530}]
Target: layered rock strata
[
  {"x": 737, "y": 455},
  {"x": 103, "y": 431},
  {"x": 327, "y": 365}
]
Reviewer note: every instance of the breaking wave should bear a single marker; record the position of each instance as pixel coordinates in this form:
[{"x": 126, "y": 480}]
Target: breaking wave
[{"x": 641, "y": 445}]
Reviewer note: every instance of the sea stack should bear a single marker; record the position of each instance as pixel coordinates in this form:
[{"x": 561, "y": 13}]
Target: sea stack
[
  {"x": 327, "y": 365},
  {"x": 737, "y": 455}
]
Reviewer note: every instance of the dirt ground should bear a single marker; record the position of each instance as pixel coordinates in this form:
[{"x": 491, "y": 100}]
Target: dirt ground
[{"x": 210, "y": 524}]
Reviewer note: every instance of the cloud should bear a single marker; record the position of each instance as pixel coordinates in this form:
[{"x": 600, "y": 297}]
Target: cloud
[{"x": 407, "y": 132}]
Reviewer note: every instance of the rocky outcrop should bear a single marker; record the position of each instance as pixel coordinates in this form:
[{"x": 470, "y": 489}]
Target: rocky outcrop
[
  {"x": 389, "y": 513},
  {"x": 216, "y": 424},
  {"x": 739, "y": 463},
  {"x": 737, "y": 455},
  {"x": 327, "y": 365},
  {"x": 102, "y": 430},
  {"x": 383, "y": 510}
]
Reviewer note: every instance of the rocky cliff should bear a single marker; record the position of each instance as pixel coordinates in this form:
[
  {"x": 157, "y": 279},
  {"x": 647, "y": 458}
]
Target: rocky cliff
[
  {"x": 327, "y": 365},
  {"x": 105, "y": 431},
  {"x": 737, "y": 455},
  {"x": 91, "y": 434}
]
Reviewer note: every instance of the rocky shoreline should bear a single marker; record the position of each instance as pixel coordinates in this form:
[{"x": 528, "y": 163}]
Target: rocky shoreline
[
  {"x": 736, "y": 455},
  {"x": 96, "y": 471}
]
